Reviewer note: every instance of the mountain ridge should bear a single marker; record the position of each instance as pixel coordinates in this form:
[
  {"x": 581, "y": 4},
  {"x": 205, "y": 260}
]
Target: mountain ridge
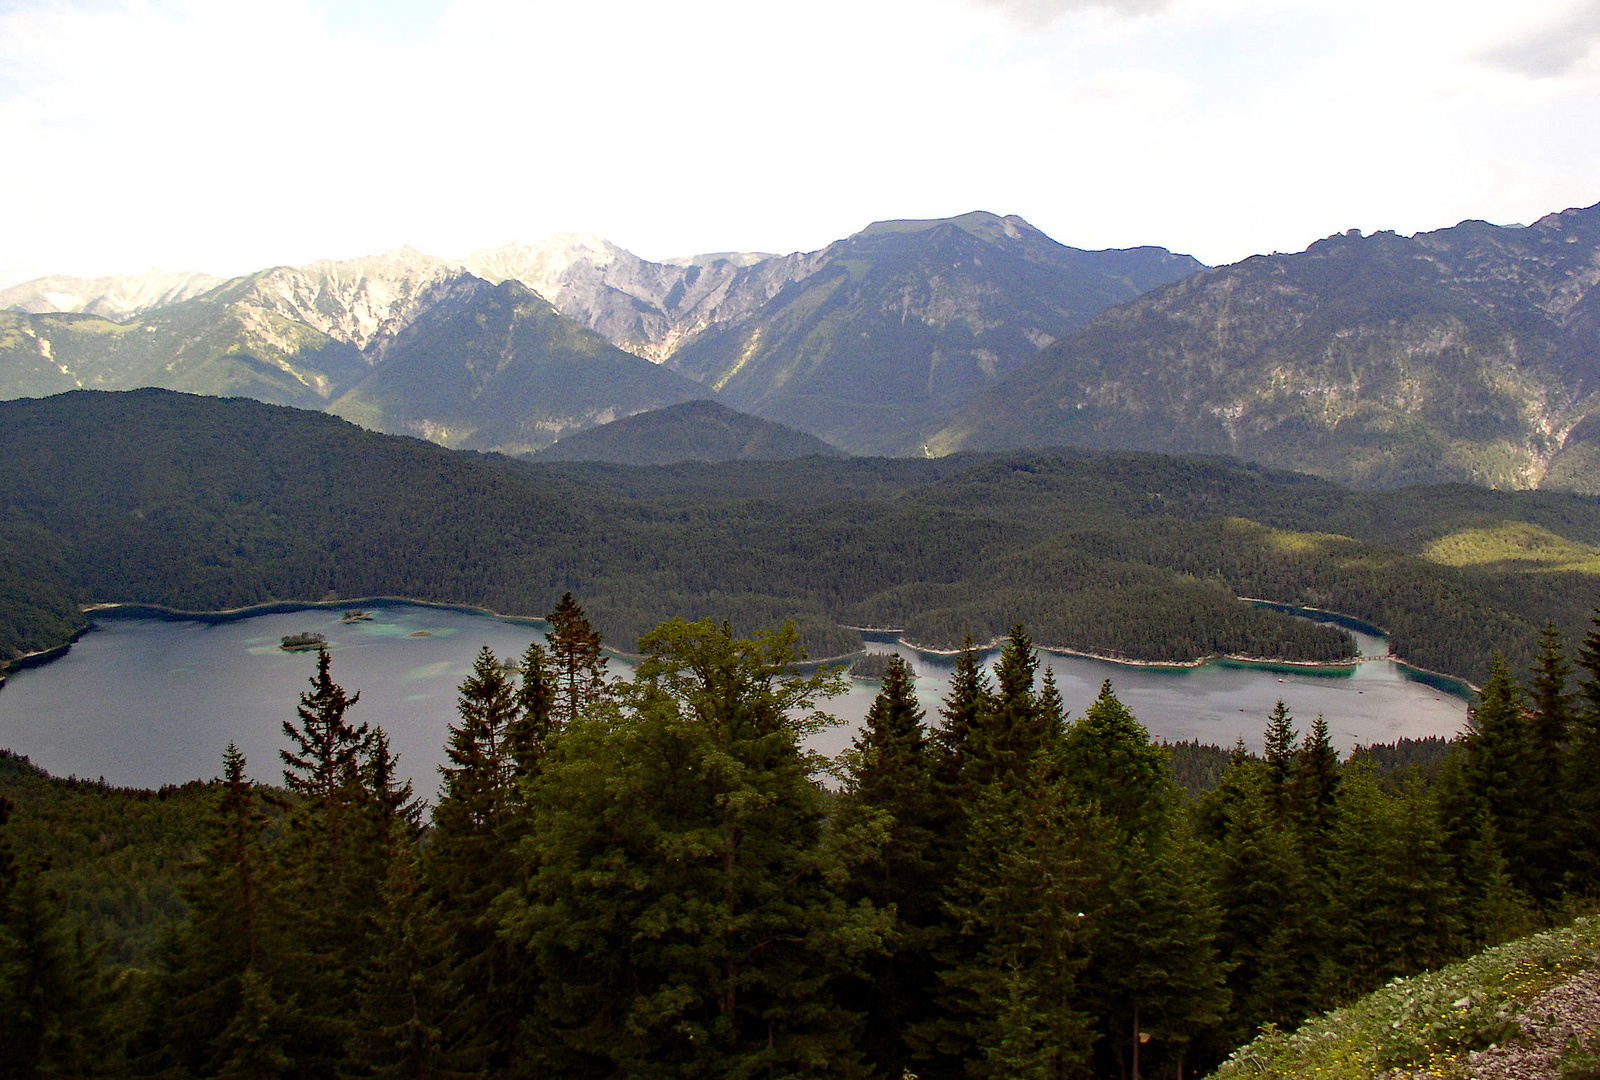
[{"x": 1465, "y": 353}]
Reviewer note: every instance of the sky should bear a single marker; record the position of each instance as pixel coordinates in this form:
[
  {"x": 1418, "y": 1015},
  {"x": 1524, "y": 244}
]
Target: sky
[{"x": 229, "y": 135}]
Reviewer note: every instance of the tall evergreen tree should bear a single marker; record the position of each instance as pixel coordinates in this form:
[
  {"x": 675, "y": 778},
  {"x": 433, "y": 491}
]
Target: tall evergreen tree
[
  {"x": 1267, "y": 937},
  {"x": 1581, "y": 780},
  {"x": 1548, "y": 840},
  {"x": 577, "y": 665},
  {"x": 1314, "y": 786},
  {"x": 471, "y": 858},
  {"x": 1154, "y": 967},
  {"x": 407, "y": 994},
  {"x": 530, "y": 731},
  {"x": 970, "y": 697},
  {"x": 231, "y": 939},
  {"x": 1280, "y": 754},
  {"x": 679, "y": 905},
  {"x": 326, "y": 750},
  {"x": 1012, "y": 1004},
  {"x": 330, "y": 868},
  {"x": 1495, "y": 764},
  {"x": 887, "y": 821}
]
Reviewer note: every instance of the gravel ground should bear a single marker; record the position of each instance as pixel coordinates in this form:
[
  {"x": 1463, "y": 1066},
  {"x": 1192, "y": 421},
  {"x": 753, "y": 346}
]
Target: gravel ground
[{"x": 1565, "y": 1016}]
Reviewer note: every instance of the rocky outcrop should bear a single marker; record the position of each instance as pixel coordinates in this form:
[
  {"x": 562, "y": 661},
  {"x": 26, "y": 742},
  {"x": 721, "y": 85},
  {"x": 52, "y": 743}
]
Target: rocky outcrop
[
  {"x": 1470, "y": 353},
  {"x": 651, "y": 309},
  {"x": 116, "y": 298}
]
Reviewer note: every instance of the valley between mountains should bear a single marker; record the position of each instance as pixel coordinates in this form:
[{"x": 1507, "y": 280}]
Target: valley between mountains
[{"x": 1002, "y": 394}]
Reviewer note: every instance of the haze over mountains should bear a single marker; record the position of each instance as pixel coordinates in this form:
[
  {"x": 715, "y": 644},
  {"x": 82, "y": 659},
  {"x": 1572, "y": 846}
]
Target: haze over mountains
[
  {"x": 869, "y": 338},
  {"x": 1467, "y": 353}
]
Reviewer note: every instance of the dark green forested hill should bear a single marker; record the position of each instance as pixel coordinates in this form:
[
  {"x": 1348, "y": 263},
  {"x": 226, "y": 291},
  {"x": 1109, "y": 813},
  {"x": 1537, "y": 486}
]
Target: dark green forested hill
[
  {"x": 701, "y": 430},
  {"x": 195, "y": 503}
]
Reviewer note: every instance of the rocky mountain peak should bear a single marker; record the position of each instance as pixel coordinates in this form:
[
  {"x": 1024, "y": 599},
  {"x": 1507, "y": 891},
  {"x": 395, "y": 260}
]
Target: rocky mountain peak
[
  {"x": 118, "y": 297},
  {"x": 364, "y": 301}
]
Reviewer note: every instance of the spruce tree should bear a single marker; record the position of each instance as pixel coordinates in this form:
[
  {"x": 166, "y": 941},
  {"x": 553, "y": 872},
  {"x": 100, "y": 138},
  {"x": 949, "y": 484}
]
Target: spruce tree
[
  {"x": 1280, "y": 754},
  {"x": 331, "y": 865},
  {"x": 471, "y": 857},
  {"x": 326, "y": 750},
  {"x": 886, "y": 824},
  {"x": 530, "y": 731},
  {"x": 1547, "y": 843},
  {"x": 1266, "y": 937},
  {"x": 232, "y": 936},
  {"x": 970, "y": 697},
  {"x": 1108, "y": 757},
  {"x": 1020, "y": 900},
  {"x": 679, "y": 905},
  {"x": 1314, "y": 786},
  {"x": 577, "y": 666},
  {"x": 409, "y": 1015},
  {"x": 1495, "y": 763},
  {"x": 1581, "y": 775}
]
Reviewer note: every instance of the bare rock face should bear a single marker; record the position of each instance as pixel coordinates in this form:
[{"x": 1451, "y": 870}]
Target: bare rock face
[
  {"x": 364, "y": 302},
  {"x": 650, "y": 309},
  {"x": 1466, "y": 354},
  {"x": 117, "y": 298}
]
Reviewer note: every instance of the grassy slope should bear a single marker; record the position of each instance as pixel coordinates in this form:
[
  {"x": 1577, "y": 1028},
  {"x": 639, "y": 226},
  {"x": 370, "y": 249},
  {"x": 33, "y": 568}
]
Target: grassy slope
[{"x": 1429, "y": 1022}]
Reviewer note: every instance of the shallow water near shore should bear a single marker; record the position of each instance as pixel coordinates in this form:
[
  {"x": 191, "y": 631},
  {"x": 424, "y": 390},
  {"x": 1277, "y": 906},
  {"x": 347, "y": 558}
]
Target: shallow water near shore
[{"x": 147, "y": 701}]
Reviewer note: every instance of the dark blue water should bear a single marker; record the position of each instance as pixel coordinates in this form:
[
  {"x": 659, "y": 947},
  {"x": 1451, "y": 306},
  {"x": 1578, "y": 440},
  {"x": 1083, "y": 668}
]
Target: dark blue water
[{"x": 144, "y": 702}]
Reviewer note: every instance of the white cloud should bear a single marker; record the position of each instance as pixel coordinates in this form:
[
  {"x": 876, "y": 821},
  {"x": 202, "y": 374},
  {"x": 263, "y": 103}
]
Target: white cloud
[
  {"x": 1043, "y": 13},
  {"x": 228, "y": 136},
  {"x": 1554, "y": 49}
]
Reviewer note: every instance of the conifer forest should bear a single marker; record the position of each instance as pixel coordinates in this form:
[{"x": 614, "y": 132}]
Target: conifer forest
[{"x": 654, "y": 878}]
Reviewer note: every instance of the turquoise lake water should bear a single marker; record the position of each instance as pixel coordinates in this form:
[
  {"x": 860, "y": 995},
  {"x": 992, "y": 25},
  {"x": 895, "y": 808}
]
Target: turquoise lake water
[{"x": 145, "y": 701}]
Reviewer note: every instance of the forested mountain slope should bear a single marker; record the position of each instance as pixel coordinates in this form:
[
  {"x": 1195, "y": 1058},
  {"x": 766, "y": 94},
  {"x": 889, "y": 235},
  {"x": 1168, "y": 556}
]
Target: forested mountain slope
[
  {"x": 1469, "y": 353},
  {"x": 201, "y": 503},
  {"x": 692, "y": 431},
  {"x": 904, "y": 321},
  {"x": 870, "y": 338}
]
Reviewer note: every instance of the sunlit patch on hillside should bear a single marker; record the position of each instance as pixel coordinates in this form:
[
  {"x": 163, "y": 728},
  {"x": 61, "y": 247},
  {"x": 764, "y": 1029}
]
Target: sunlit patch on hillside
[{"x": 1513, "y": 545}]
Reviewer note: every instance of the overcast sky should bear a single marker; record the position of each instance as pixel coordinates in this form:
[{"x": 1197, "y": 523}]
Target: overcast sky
[{"x": 228, "y": 136}]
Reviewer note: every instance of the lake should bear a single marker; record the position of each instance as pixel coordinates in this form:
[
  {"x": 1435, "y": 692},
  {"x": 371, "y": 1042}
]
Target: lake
[{"x": 144, "y": 701}]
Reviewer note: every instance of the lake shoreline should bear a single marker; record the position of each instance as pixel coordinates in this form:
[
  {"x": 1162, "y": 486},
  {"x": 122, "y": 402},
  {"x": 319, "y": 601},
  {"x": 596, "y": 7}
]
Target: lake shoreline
[{"x": 1450, "y": 684}]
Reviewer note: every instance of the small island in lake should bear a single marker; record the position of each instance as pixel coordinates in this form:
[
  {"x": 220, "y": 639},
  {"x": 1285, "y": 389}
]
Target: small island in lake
[
  {"x": 302, "y": 642},
  {"x": 356, "y": 616},
  {"x": 871, "y": 666}
]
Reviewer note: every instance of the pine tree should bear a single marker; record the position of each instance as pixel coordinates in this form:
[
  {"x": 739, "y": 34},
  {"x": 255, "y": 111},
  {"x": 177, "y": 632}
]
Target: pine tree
[
  {"x": 1266, "y": 937},
  {"x": 1109, "y": 759},
  {"x": 1154, "y": 967},
  {"x": 407, "y": 994},
  {"x": 1397, "y": 909},
  {"x": 52, "y": 993},
  {"x": 1012, "y": 1004},
  {"x": 577, "y": 666},
  {"x": 331, "y": 866}
]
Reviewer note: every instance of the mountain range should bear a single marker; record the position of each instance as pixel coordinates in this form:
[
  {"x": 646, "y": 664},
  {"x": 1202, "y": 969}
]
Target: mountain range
[
  {"x": 1462, "y": 354},
  {"x": 866, "y": 341},
  {"x": 1469, "y": 353}
]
